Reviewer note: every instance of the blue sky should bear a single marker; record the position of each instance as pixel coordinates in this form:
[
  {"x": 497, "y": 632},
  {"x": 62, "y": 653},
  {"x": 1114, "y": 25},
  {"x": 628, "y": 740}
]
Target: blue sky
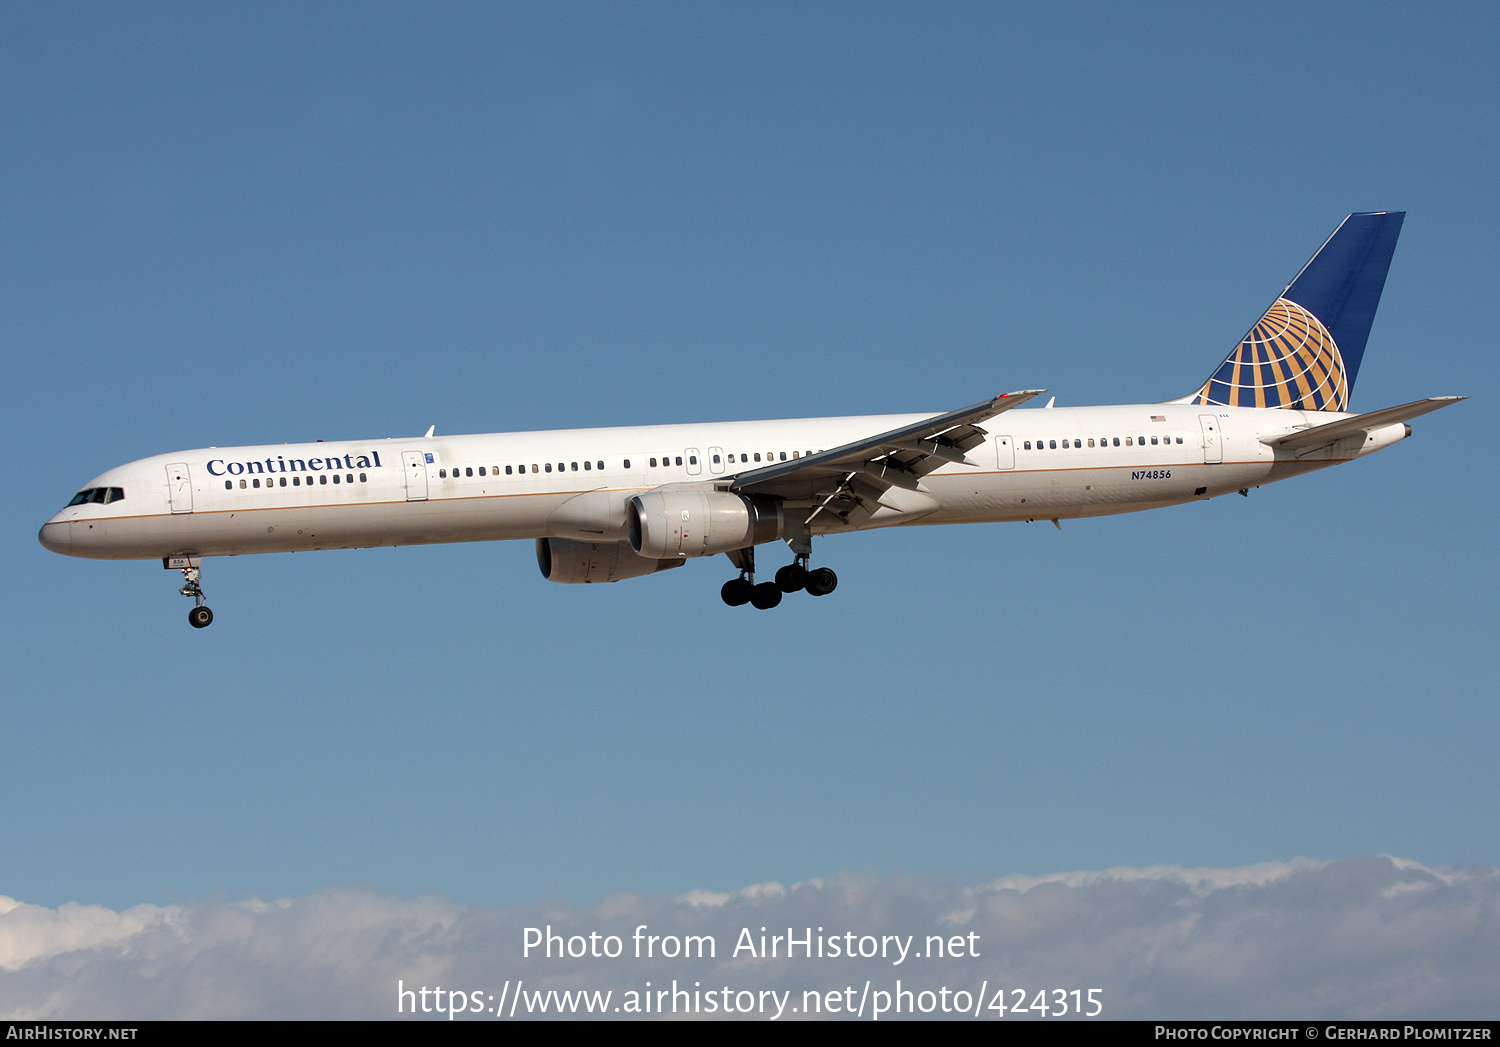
[{"x": 260, "y": 223}]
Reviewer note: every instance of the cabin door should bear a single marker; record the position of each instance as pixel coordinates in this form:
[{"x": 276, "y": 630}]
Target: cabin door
[
  {"x": 1213, "y": 440},
  {"x": 1005, "y": 450},
  {"x": 414, "y": 464},
  {"x": 179, "y": 488}
]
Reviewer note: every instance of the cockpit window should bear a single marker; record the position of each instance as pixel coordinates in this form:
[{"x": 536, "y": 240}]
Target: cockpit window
[{"x": 98, "y": 495}]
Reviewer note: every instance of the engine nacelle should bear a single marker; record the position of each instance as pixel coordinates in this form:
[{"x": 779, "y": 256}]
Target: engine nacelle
[
  {"x": 569, "y": 562},
  {"x": 666, "y": 525}
]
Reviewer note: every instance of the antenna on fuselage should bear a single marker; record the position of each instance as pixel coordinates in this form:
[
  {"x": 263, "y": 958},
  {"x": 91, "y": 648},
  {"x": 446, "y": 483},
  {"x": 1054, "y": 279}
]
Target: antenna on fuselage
[
  {"x": 430, "y": 430},
  {"x": 1050, "y": 401}
]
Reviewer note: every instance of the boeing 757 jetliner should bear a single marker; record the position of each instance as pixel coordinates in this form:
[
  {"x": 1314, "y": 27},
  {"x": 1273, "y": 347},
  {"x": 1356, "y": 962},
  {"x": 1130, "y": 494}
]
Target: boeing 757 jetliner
[{"x": 603, "y": 505}]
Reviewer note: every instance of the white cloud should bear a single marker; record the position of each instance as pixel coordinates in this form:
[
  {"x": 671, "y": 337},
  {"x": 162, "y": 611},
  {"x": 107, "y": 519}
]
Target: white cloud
[{"x": 1365, "y": 938}]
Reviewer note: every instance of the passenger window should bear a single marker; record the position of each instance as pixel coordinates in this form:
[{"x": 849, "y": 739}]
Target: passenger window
[
  {"x": 255, "y": 482},
  {"x": 679, "y": 459},
  {"x": 794, "y": 454},
  {"x": 228, "y": 485},
  {"x": 296, "y": 481},
  {"x": 627, "y": 463},
  {"x": 549, "y": 467},
  {"x": 783, "y": 456},
  {"x": 242, "y": 485},
  {"x": 362, "y": 477},
  {"x": 757, "y": 456},
  {"x": 575, "y": 467},
  {"x": 601, "y": 465},
  {"x": 507, "y": 471},
  {"x": 335, "y": 477},
  {"x": 744, "y": 457},
  {"x": 1052, "y": 444},
  {"x": 283, "y": 481},
  {"x": 1127, "y": 442},
  {"x": 469, "y": 470},
  {"x": 653, "y": 463},
  {"x": 323, "y": 479},
  {"x": 442, "y": 474}
]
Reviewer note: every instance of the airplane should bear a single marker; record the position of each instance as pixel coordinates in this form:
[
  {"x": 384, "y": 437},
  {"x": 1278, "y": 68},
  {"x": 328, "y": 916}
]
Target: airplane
[{"x": 604, "y": 505}]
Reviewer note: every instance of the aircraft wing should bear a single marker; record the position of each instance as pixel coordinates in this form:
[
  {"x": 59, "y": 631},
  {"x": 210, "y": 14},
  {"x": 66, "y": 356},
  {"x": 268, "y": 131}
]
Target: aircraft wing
[
  {"x": 1319, "y": 435},
  {"x": 852, "y": 482}
]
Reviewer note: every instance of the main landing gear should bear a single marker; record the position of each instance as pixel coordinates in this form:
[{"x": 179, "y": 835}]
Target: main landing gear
[
  {"x": 200, "y": 616},
  {"x": 794, "y": 576}
]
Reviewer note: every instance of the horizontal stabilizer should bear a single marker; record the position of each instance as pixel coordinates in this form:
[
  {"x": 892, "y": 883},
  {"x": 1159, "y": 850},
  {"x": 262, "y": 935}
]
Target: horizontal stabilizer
[{"x": 1319, "y": 435}]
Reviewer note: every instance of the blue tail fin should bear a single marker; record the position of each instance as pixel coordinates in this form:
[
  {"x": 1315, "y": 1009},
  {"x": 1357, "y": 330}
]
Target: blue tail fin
[{"x": 1305, "y": 352}]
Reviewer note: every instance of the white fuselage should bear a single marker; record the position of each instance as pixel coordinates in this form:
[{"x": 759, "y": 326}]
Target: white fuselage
[{"x": 1034, "y": 464}]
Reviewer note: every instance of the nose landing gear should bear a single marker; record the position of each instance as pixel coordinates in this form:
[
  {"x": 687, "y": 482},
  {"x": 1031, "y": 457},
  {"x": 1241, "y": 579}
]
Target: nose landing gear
[{"x": 190, "y": 566}]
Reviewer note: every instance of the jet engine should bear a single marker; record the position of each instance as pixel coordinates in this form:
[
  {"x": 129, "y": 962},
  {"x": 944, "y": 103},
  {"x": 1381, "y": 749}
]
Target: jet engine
[
  {"x": 671, "y": 524},
  {"x": 566, "y": 561}
]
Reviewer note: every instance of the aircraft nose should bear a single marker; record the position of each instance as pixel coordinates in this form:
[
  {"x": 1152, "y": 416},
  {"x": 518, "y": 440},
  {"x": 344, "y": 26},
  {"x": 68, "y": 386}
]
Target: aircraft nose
[{"x": 57, "y": 535}]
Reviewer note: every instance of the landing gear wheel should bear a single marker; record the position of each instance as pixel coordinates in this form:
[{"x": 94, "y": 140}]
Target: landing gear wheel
[
  {"x": 821, "y": 582},
  {"x": 737, "y": 592},
  {"x": 199, "y": 617},
  {"x": 791, "y": 578},
  {"x": 765, "y": 596}
]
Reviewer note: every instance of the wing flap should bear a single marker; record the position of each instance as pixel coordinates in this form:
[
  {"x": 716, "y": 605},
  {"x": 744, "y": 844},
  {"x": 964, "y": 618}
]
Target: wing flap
[{"x": 899, "y": 458}]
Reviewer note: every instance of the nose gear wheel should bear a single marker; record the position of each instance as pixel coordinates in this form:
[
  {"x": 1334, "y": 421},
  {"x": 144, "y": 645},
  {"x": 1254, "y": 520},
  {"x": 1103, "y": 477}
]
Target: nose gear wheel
[{"x": 200, "y": 616}]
